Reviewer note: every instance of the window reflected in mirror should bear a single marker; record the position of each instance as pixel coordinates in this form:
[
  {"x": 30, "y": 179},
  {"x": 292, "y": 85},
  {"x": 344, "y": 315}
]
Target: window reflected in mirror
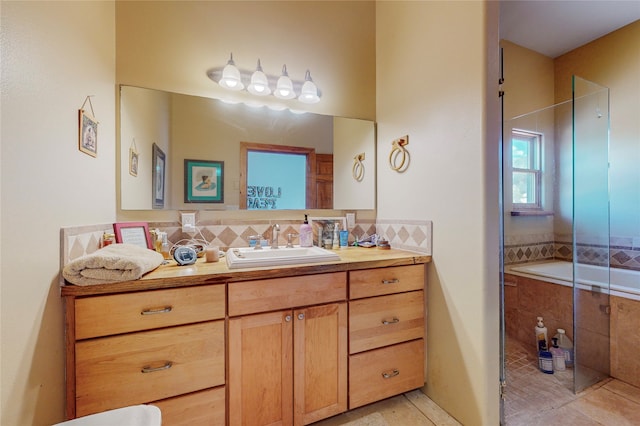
[{"x": 278, "y": 177}]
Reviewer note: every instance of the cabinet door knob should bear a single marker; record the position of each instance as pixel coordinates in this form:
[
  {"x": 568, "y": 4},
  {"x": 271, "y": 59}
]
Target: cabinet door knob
[
  {"x": 149, "y": 369},
  {"x": 300, "y": 316},
  {"x": 391, "y": 281},
  {"x": 390, "y": 374},
  {"x": 391, "y": 321},
  {"x": 164, "y": 310},
  {"x": 287, "y": 318}
]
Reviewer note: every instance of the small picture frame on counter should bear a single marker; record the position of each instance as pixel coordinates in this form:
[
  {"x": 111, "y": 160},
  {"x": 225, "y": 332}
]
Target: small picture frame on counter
[{"x": 136, "y": 233}]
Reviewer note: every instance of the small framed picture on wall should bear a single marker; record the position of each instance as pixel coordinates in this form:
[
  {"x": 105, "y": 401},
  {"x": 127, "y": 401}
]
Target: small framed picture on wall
[{"x": 87, "y": 133}]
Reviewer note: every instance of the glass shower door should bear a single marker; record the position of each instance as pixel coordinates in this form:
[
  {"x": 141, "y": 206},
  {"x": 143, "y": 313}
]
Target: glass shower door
[{"x": 590, "y": 231}]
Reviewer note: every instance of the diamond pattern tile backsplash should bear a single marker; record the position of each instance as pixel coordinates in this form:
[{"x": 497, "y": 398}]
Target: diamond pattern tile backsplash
[{"x": 77, "y": 241}]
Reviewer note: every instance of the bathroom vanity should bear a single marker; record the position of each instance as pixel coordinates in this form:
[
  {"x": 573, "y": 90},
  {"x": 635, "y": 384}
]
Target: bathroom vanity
[{"x": 279, "y": 345}]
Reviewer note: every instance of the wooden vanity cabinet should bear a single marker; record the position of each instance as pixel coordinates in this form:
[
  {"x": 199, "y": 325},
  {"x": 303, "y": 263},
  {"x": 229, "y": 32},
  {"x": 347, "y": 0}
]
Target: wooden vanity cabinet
[
  {"x": 386, "y": 332},
  {"x": 289, "y": 366},
  {"x": 165, "y": 347}
]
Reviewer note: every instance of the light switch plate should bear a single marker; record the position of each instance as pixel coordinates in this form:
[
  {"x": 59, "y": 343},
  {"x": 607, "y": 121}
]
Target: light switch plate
[
  {"x": 188, "y": 222},
  {"x": 351, "y": 221}
]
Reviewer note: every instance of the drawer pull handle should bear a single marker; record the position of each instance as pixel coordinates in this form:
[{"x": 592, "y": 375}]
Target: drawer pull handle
[
  {"x": 394, "y": 320},
  {"x": 391, "y": 281},
  {"x": 164, "y": 310},
  {"x": 390, "y": 374},
  {"x": 149, "y": 369}
]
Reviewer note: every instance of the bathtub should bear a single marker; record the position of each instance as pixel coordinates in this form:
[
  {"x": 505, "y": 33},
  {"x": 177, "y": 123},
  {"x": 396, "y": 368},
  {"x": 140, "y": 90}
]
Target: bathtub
[{"x": 624, "y": 282}]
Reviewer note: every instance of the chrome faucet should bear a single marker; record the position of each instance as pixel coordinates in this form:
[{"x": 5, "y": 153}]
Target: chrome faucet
[{"x": 275, "y": 230}]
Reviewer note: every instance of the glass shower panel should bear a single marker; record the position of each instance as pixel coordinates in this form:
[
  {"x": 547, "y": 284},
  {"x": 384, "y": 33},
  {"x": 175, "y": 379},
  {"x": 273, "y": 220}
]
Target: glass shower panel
[{"x": 590, "y": 230}]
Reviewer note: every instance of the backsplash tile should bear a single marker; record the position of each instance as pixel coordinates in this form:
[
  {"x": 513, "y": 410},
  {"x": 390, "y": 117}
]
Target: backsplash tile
[
  {"x": 77, "y": 241},
  {"x": 414, "y": 235}
]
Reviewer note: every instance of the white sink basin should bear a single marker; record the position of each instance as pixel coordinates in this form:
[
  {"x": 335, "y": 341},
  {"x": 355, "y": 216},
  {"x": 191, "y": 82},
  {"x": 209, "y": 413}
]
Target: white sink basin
[{"x": 248, "y": 257}]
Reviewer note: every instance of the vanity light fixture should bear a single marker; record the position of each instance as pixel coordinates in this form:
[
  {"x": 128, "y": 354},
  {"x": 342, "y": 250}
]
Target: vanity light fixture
[
  {"x": 259, "y": 83},
  {"x": 309, "y": 93},
  {"x": 284, "y": 88},
  {"x": 231, "y": 76}
]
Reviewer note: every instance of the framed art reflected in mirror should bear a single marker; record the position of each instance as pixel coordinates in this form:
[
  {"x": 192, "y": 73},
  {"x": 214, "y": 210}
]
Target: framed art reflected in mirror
[
  {"x": 203, "y": 181},
  {"x": 157, "y": 176}
]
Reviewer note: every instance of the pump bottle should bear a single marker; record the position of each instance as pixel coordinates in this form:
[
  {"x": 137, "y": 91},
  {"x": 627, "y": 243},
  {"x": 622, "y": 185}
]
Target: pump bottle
[
  {"x": 541, "y": 335},
  {"x": 306, "y": 234}
]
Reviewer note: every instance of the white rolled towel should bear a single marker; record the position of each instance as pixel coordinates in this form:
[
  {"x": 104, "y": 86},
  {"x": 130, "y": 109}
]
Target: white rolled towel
[{"x": 112, "y": 264}]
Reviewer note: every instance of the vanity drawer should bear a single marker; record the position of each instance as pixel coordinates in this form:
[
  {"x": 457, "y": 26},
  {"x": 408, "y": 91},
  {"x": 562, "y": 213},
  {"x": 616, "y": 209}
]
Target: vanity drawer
[
  {"x": 249, "y": 297},
  {"x": 141, "y": 367},
  {"x": 385, "y": 372},
  {"x": 204, "y": 408},
  {"x": 381, "y": 281},
  {"x": 386, "y": 320},
  {"x": 122, "y": 313}
]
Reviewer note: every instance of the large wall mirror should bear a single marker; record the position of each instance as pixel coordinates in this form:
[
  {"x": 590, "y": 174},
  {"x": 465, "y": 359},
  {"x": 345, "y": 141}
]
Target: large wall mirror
[{"x": 210, "y": 131}]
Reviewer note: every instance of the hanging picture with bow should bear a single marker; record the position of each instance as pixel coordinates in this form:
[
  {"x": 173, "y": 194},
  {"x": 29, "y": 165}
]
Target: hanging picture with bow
[{"x": 88, "y": 133}]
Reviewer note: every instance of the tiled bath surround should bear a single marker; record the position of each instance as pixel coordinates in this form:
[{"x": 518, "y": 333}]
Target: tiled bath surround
[
  {"x": 527, "y": 298},
  {"x": 623, "y": 252}
]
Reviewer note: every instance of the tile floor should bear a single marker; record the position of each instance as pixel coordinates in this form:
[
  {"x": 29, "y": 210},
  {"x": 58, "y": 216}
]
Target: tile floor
[
  {"x": 532, "y": 399},
  {"x": 410, "y": 409}
]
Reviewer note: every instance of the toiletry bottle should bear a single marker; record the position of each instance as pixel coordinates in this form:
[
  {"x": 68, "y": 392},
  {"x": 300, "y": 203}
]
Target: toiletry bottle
[
  {"x": 306, "y": 234},
  {"x": 558, "y": 356},
  {"x": 336, "y": 235},
  {"x": 566, "y": 345},
  {"x": 157, "y": 242},
  {"x": 165, "y": 246},
  {"x": 344, "y": 238},
  {"x": 541, "y": 335},
  {"x": 107, "y": 239}
]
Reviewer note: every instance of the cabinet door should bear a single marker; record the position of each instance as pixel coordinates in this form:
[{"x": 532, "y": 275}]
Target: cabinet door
[
  {"x": 261, "y": 369},
  {"x": 320, "y": 362}
]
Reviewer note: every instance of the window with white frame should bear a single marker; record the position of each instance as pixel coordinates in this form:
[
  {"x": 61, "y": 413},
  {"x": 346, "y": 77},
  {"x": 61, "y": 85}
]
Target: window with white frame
[{"x": 526, "y": 170}]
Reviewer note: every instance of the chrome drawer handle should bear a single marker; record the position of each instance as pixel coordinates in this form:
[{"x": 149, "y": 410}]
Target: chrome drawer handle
[
  {"x": 392, "y": 321},
  {"x": 149, "y": 369},
  {"x": 393, "y": 373},
  {"x": 164, "y": 310},
  {"x": 392, "y": 281}
]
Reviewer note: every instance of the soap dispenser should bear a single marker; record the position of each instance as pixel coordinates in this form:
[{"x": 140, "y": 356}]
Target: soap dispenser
[
  {"x": 336, "y": 236},
  {"x": 306, "y": 234}
]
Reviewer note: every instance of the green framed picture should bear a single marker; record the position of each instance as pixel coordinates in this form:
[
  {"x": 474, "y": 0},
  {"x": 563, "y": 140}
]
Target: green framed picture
[{"x": 203, "y": 181}]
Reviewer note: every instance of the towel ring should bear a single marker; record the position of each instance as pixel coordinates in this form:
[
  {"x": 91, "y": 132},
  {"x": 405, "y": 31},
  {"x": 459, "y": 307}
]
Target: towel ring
[
  {"x": 357, "y": 171},
  {"x": 398, "y": 157}
]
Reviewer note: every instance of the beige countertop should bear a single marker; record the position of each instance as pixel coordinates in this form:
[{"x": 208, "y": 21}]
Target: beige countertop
[{"x": 172, "y": 275}]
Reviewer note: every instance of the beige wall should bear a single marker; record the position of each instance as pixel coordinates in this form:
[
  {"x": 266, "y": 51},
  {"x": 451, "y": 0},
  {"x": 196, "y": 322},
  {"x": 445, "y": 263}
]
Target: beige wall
[
  {"x": 54, "y": 54},
  {"x": 437, "y": 74},
  {"x": 144, "y": 120},
  {"x": 614, "y": 61}
]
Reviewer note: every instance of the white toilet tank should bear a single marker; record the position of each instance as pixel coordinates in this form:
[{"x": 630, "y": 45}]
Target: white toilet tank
[{"x": 135, "y": 415}]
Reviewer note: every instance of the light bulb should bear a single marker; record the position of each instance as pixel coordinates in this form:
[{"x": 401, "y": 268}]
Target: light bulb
[
  {"x": 309, "y": 92},
  {"x": 284, "y": 88},
  {"x": 259, "y": 83},
  {"x": 231, "y": 76}
]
